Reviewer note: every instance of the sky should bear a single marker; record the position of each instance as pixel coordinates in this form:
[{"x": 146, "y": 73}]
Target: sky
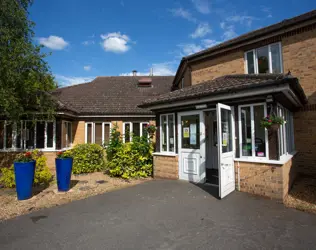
[{"x": 89, "y": 38}]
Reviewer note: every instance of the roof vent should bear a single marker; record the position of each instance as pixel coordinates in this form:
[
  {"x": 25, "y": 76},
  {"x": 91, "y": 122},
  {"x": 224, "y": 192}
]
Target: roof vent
[
  {"x": 134, "y": 72},
  {"x": 145, "y": 82}
]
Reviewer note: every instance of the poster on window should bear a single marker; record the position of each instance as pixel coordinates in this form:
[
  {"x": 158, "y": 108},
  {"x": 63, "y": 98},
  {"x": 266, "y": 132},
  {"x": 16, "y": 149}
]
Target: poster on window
[
  {"x": 186, "y": 132},
  {"x": 224, "y": 143},
  {"x": 193, "y": 134}
]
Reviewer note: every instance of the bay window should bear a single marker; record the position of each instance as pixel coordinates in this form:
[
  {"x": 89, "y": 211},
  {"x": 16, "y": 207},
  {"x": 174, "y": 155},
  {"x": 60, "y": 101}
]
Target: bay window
[
  {"x": 267, "y": 59},
  {"x": 98, "y": 132},
  {"x": 167, "y": 133},
  {"x": 253, "y": 142},
  {"x": 131, "y": 129}
]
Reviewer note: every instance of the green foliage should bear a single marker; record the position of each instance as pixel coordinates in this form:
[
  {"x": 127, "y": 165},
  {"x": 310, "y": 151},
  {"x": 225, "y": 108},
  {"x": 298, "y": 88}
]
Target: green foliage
[
  {"x": 268, "y": 121},
  {"x": 115, "y": 143},
  {"x": 87, "y": 158},
  {"x": 42, "y": 174},
  {"x": 24, "y": 157},
  {"x": 25, "y": 77},
  {"x": 63, "y": 154},
  {"x": 132, "y": 159}
]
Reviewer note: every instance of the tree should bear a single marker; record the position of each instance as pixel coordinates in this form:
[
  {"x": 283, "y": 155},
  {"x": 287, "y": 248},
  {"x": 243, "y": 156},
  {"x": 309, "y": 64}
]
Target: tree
[{"x": 25, "y": 78}]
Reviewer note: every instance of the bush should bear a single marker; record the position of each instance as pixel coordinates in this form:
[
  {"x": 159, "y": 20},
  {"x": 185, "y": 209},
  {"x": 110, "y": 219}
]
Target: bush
[
  {"x": 115, "y": 143},
  {"x": 132, "y": 159},
  {"x": 87, "y": 158},
  {"x": 42, "y": 174}
]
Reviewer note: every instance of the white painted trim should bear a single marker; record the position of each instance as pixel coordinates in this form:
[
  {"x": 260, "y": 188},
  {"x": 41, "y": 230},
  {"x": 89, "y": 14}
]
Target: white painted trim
[
  {"x": 165, "y": 154},
  {"x": 119, "y": 116},
  {"x": 282, "y": 161},
  {"x": 241, "y": 94},
  {"x": 130, "y": 131},
  {"x": 167, "y": 133}
]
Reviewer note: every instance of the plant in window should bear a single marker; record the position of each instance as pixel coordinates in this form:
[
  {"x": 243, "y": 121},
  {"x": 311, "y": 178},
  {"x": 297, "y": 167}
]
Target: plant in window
[
  {"x": 272, "y": 122},
  {"x": 151, "y": 129}
]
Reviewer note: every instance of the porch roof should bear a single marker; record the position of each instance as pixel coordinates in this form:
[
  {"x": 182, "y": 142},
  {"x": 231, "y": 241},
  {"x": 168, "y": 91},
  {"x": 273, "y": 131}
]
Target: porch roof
[{"x": 228, "y": 84}]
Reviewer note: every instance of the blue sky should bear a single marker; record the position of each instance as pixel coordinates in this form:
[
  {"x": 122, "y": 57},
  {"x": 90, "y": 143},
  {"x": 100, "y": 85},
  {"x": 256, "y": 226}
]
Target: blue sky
[{"x": 90, "y": 38}]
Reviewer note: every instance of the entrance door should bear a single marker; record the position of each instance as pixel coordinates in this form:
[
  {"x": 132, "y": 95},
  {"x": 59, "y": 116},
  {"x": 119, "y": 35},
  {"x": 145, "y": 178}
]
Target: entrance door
[
  {"x": 226, "y": 170},
  {"x": 191, "y": 132}
]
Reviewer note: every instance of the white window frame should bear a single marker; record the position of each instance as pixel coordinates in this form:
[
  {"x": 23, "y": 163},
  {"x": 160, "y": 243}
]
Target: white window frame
[
  {"x": 255, "y": 58},
  {"x": 253, "y": 156},
  {"x": 167, "y": 135},
  {"x": 93, "y": 130},
  {"x": 286, "y": 145},
  {"x": 22, "y": 142},
  {"x": 141, "y": 127},
  {"x": 131, "y": 129},
  {"x": 67, "y": 136}
]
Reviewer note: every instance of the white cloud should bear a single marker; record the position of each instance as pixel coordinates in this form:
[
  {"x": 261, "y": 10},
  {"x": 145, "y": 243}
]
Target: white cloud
[
  {"x": 229, "y": 31},
  {"x": 72, "y": 80},
  {"x": 53, "y": 42},
  {"x": 88, "y": 42},
  {"x": 210, "y": 43},
  {"x": 267, "y": 11},
  {"x": 202, "y": 6},
  {"x": 189, "y": 48},
  {"x": 87, "y": 67},
  {"x": 241, "y": 19},
  {"x": 115, "y": 42},
  {"x": 180, "y": 12},
  {"x": 159, "y": 69},
  {"x": 202, "y": 30}
]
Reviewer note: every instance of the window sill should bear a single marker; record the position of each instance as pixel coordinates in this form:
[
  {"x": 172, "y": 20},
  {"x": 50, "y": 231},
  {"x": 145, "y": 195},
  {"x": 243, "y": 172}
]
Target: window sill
[
  {"x": 282, "y": 161},
  {"x": 165, "y": 154}
]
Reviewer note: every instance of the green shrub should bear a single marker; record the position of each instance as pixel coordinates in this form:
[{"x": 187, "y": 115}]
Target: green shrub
[
  {"x": 87, "y": 158},
  {"x": 115, "y": 143},
  {"x": 42, "y": 174},
  {"x": 132, "y": 159}
]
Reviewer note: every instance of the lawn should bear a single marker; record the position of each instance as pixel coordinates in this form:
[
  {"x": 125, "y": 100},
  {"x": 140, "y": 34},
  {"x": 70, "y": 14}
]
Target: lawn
[{"x": 82, "y": 186}]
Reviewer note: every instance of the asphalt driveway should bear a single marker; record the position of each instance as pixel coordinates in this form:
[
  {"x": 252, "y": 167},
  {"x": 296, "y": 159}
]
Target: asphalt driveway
[{"x": 162, "y": 215}]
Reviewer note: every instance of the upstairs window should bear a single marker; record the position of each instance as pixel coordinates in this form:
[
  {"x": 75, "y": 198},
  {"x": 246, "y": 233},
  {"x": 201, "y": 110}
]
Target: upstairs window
[{"x": 264, "y": 60}]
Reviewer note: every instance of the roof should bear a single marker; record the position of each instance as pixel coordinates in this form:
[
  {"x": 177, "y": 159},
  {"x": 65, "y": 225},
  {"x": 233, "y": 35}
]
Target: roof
[
  {"x": 266, "y": 31},
  {"x": 113, "y": 95},
  {"x": 226, "y": 84}
]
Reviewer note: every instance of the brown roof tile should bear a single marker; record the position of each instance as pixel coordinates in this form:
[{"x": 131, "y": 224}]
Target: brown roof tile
[{"x": 113, "y": 95}]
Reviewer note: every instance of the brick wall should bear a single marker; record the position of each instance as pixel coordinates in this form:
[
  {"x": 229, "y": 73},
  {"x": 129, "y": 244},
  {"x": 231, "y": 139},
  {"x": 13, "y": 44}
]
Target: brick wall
[
  {"x": 166, "y": 167},
  {"x": 213, "y": 68},
  {"x": 50, "y": 160},
  {"x": 78, "y": 132},
  {"x": 269, "y": 180}
]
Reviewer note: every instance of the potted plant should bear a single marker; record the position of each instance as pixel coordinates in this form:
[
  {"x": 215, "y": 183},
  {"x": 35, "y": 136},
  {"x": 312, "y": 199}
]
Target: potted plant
[
  {"x": 272, "y": 122},
  {"x": 24, "y": 170},
  {"x": 63, "y": 163}
]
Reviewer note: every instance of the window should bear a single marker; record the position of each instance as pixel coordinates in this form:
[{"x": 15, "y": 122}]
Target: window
[
  {"x": 286, "y": 132},
  {"x": 264, "y": 60},
  {"x": 27, "y": 135},
  {"x": 98, "y": 132},
  {"x": 66, "y": 135},
  {"x": 190, "y": 127},
  {"x": 131, "y": 129},
  {"x": 167, "y": 132},
  {"x": 252, "y": 137}
]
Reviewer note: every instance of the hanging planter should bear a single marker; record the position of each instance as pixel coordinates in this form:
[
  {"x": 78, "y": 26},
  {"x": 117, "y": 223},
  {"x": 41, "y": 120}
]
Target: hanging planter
[
  {"x": 24, "y": 170},
  {"x": 272, "y": 122},
  {"x": 64, "y": 164}
]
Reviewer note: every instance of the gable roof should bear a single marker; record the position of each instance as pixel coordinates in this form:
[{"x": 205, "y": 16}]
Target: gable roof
[
  {"x": 227, "y": 84},
  {"x": 113, "y": 95},
  {"x": 268, "y": 31}
]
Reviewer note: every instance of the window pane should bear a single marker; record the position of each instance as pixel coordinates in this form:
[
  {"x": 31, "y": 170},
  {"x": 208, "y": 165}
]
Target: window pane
[
  {"x": 98, "y": 133},
  {"x": 1, "y": 134},
  {"x": 106, "y": 137},
  {"x": 89, "y": 133},
  {"x": 144, "y": 130},
  {"x": 190, "y": 131},
  {"x": 226, "y": 121},
  {"x": 127, "y": 132},
  {"x": 171, "y": 134},
  {"x": 136, "y": 129},
  {"x": 246, "y": 132},
  {"x": 50, "y": 134},
  {"x": 260, "y": 141},
  {"x": 40, "y": 134},
  {"x": 164, "y": 132},
  {"x": 276, "y": 58},
  {"x": 29, "y": 135},
  {"x": 18, "y": 134},
  {"x": 69, "y": 134},
  {"x": 263, "y": 59},
  {"x": 250, "y": 63}
]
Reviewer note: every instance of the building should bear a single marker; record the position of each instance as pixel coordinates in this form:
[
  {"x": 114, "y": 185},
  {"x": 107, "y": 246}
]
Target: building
[
  {"x": 209, "y": 125},
  {"x": 86, "y": 113}
]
